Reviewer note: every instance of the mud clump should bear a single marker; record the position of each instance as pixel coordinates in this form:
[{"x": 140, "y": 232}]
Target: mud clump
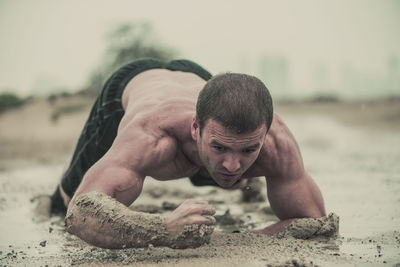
[
  {"x": 309, "y": 227},
  {"x": 294, "y": 263},
  {"x": 192, "y": 236},
  {"x": 149, "y": 208}
]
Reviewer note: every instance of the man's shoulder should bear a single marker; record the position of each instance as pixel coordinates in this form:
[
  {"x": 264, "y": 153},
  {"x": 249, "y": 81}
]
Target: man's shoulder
[
  {"x": 155, "y": 148},
  {"x": 280, "y": 139},
  {"x": 280, "y": 150},
  {"x": 144, "y": 144},
  {"x": 156, "y": 125}
]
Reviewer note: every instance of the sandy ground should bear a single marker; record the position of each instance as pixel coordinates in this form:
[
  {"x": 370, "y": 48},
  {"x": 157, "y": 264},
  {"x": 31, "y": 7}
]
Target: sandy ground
[{"x": 351, "y": 150}]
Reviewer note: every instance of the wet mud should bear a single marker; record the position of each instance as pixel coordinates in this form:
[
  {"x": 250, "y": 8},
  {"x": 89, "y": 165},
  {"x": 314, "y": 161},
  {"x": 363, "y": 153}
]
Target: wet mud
[{"x": 353, "y": 161}]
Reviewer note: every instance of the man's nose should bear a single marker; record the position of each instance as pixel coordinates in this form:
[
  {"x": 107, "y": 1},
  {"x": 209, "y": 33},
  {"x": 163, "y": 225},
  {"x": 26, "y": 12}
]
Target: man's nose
[{"x": 231, "y": 163}]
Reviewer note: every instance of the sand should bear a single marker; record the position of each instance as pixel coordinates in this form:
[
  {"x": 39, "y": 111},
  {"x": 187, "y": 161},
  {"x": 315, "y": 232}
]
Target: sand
[{"x": 348, "y": 148}]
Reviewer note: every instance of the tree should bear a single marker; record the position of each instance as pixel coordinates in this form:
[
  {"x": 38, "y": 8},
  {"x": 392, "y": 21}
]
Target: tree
[{"x": 10, "y": 101}]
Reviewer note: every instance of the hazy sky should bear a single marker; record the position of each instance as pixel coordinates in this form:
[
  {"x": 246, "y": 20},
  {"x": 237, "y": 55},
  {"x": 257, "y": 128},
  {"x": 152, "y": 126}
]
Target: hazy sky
[{"x": 60, "y": 42}]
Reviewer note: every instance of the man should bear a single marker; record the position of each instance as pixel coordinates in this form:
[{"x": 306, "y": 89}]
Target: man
[{"x": 174, "y": 120}]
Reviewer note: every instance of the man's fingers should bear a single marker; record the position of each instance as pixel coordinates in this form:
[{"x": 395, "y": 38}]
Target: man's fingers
[
  {"x": 209, "y": 210},
  {"x": 194, "y": 201},
  {"x": 211, "y": 220},
  {"x": 198, "y": 219},
  {"x": 201, "y": 209}
]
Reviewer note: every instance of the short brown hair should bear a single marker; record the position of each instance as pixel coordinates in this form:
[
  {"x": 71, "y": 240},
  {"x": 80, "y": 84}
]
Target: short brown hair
[{"x": 239, "y": 102}]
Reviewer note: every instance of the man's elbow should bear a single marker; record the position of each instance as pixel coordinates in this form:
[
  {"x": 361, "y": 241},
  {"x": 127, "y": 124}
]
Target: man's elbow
[
  {"x": 75, "y": 221},
  {"x": 317, "y": 213},
  {"x": 315, "y": 200},
  {"x": 317, "y": 210},
  {"x": 322, "y": 212},
  {"x": 71, "y": 220}
]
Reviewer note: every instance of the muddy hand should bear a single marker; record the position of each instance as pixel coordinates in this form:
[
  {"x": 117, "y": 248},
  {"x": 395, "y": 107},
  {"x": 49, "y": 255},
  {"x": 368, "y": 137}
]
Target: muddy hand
[{"x": 189, "y": 212}]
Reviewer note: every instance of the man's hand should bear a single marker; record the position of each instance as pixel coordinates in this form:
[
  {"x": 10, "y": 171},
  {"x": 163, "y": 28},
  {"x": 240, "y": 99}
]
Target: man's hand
[{"x": 189, "y": 212}]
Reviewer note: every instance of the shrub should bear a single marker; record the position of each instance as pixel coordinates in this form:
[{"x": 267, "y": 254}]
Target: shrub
[{"x": 9, "y": 101}]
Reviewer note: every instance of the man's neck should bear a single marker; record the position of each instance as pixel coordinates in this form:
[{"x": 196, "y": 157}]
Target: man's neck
[
  {"x": 195, "y": 158},
  {"x": 192, "y": 153}
]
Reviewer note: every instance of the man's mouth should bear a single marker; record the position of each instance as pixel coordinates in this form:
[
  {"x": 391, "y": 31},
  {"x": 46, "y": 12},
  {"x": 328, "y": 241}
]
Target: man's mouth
[{"x": 228, "y": 176}]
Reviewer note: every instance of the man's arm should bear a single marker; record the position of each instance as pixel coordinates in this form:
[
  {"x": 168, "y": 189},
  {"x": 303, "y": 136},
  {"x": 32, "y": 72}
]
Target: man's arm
[
  {"x": 106, "y": 188},
  {"x": 292, "y": 193},
  {"x": 299, "y": 198},
  {"x": 102, "y": 221},
  {"x": 98, "y": 212}
]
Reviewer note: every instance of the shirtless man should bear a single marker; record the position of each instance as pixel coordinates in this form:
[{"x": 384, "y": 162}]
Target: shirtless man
[{"x": 174, "y": 120}]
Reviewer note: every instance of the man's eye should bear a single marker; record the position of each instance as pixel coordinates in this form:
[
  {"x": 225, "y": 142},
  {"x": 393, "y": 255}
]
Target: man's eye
[
  {"x": 219, "y": 148},
  {"x": 249, "y": 151}
]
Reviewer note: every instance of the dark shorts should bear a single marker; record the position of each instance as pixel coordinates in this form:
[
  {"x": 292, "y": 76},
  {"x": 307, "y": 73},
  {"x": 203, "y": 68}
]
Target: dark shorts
[{"x": 101, "y": 127}]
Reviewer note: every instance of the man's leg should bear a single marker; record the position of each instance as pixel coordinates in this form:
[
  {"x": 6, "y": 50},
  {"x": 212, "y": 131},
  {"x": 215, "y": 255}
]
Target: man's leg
[{"x": 57, "y": 203}]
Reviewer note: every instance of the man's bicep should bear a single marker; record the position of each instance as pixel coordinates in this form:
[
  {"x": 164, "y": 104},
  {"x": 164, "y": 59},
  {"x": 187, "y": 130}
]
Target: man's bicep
[
  {"x": 291, "y": 191},
  {"x": 114, "y": 178},
  {"x": 120, "y": 172},
  {"x": 295, "y": 198}
]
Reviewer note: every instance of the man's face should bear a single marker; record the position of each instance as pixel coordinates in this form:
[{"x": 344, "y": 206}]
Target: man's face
[{"x": 227, "y": 155}]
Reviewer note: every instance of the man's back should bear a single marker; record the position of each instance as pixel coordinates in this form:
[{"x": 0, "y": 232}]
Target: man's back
[
  {"x": 160, "y": 95},
  {"x": 159, "y": 105}
]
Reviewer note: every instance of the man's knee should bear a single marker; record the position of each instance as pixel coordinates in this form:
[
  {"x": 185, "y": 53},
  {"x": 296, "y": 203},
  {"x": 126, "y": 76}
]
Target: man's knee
[{"x": 57, "y": 203}]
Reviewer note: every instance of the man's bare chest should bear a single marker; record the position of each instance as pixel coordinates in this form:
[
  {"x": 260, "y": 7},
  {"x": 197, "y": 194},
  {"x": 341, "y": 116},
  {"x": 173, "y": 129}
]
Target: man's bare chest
[{"x": 176, "y": 168}]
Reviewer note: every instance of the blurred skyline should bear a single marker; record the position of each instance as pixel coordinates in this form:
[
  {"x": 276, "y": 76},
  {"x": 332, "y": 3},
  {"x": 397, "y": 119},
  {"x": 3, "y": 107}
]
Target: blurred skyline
[{"x": 344, "y": 48}]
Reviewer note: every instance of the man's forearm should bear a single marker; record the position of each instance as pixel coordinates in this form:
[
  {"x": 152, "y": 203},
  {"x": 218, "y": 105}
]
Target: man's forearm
[
  {"x": 102, "y": 221},
  {"x": 304, "y": 228}
]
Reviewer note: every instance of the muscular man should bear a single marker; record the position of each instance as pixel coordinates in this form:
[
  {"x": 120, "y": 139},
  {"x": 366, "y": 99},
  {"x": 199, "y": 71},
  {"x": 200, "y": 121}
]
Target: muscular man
[{"x": 174, "y": 120}]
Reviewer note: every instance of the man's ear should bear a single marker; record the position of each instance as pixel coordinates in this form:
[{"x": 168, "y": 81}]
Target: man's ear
[{"x": 194, "y": 128}]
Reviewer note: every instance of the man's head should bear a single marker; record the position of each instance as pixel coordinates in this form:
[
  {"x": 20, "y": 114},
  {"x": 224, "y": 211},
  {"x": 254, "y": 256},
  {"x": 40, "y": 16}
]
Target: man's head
[
  {"x": 238, "y": 102},
  {"x": 233, "y": 115}
]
